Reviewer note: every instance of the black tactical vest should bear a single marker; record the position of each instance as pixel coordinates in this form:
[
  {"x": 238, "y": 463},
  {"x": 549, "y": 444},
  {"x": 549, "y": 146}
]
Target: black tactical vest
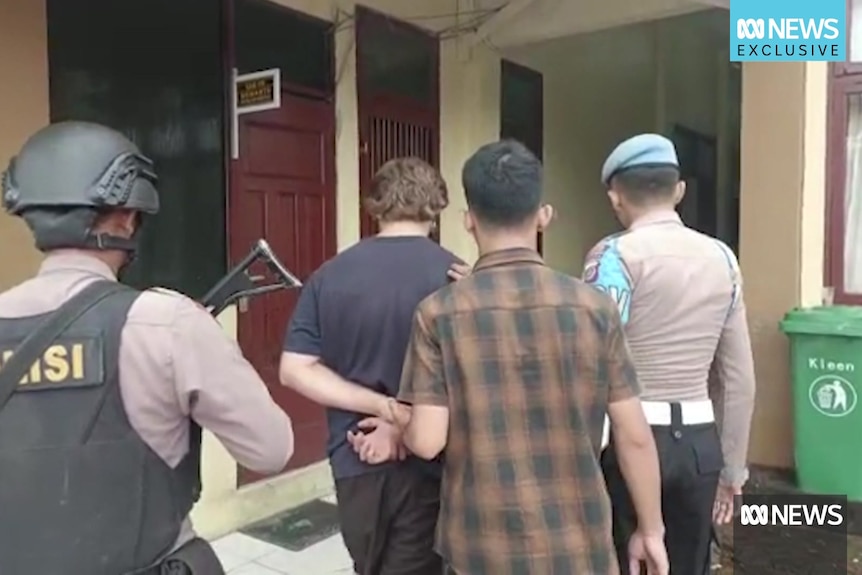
[{"x": 80, "y": 491}]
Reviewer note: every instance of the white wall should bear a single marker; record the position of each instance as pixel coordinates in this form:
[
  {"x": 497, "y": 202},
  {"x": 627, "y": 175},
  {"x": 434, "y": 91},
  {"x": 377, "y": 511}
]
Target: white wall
[{"x": 603, "y": 87}]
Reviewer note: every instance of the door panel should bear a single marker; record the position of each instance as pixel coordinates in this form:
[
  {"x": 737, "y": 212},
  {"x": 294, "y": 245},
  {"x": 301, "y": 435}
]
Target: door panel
[
  {"x": 105, "y": 70},
  {"x": 284, "y": 191},
  {"x": 697, "y": 160},
  {"x": 398, "y": 84},
  {"x": 522, "y": 111},
  {"x": 390, "y": 131}
]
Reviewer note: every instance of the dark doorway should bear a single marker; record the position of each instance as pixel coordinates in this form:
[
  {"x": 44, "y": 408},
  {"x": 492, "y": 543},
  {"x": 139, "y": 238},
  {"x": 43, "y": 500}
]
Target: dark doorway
[
  {"x": 154, "y": 71},
  {"x": 522, "y": 109},
  {"x": 698, "y": 157},
  {"x": 397, "y": 69},
  {"x": 158, "y": 72},
  {"x": 283, "y": 189}
]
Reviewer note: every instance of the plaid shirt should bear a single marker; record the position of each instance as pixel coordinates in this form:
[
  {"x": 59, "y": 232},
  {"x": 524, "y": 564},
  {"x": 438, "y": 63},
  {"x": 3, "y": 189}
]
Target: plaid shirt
[{"x": 526, "y": 359}]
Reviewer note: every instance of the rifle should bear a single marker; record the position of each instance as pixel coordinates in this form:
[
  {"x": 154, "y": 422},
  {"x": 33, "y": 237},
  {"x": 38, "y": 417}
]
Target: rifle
[
  {"x": 238, "y": 284},
  {"x": 233, "y": 287}
]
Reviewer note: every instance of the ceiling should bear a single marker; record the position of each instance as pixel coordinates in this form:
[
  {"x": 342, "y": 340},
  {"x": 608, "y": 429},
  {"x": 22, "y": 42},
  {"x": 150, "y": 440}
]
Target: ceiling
[{"x": 519, "y": 22}]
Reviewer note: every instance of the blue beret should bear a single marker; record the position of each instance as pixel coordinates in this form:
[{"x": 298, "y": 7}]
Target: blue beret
[{"x": 644, "y": 150}]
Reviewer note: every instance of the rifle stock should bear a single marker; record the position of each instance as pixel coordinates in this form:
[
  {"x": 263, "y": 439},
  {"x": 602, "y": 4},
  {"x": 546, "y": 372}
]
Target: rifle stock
[{"x": 238, "y": 284}]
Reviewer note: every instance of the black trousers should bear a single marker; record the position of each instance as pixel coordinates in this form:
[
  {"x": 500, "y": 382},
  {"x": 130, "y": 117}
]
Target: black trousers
[
  {"x": 388, "y": 520},
  {"x": 691, "y": 460}
]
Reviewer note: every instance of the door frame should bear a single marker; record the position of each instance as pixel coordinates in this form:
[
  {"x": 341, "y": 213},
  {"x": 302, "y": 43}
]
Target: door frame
[
  {"x": 689, "y": 143},
  {"x": 368, "y": 101},
  {"x": 508, "y": 67},
  {"x": 538, "y": 114},
  {"x": 235, "y": 251}
]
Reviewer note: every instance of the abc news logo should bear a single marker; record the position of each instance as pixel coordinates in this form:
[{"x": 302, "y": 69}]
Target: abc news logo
[
  {"x": 792, "y": 29},
  {"x": 792, "y": 515},
  {"x": 802, "y": 533}
]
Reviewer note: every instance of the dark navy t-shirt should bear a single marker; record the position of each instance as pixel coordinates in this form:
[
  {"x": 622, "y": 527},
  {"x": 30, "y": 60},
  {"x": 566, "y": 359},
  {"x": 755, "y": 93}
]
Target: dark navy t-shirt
[{"x": 356, "y": 313}]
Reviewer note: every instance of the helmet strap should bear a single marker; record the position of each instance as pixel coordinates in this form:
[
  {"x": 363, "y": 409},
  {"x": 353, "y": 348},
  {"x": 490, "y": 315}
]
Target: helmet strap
[{"x": 108, "y": 242}]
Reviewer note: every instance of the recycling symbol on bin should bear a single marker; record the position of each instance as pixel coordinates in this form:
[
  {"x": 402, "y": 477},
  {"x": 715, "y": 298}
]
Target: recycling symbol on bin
[{"x": 832, "y": 396}]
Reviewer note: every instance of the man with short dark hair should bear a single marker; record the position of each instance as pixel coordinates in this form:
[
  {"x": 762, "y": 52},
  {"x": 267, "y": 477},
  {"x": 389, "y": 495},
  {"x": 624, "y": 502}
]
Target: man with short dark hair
[
  {"x": 679, "y": 293},
  {"x": 344, "y": 349},
  {"x": 511, "y": 370}
]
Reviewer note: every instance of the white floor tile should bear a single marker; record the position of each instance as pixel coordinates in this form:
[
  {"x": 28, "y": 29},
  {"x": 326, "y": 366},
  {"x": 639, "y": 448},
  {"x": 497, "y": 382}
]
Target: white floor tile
[
  {"x": 243, "y": 547},
  {"x": 230, "y": 561},
  {"x": 256, "y": 569},
  {"x": 285, "y": 561},
  {"x": 244, "y": 555},
  {"x": 330, "y": 555}
]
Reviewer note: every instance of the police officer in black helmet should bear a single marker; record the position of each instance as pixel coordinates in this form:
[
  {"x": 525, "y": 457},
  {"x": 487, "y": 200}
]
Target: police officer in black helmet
[
  {"x": 67, "y": 174},
  {"x": 104, "y": 389}
]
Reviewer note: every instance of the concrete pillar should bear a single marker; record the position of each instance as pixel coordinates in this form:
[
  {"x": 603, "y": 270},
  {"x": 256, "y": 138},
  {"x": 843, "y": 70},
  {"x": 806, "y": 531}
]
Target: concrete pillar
[
  {"x": 24, "y": 106},
  {"x": 781, "y": 228},
  {"x": 469, "y": 118}
]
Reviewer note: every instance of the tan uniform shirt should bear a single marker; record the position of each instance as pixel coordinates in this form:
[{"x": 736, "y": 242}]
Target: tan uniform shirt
[
  {"x": 176, "y": 363},
  {"x": 679, "y": 293}
]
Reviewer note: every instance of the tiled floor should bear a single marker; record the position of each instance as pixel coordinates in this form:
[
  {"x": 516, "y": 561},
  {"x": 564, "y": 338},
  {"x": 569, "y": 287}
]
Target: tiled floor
[{"x": 244, "y": 555}]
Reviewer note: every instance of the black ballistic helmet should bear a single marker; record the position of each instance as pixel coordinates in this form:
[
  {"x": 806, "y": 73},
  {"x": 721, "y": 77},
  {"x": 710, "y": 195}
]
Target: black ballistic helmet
[{"x": 67, "y": 174}]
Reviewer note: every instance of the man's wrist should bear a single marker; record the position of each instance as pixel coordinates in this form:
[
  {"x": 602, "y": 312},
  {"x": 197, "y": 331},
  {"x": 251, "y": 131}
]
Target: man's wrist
[
  {"x": 651, "y": 530},
  {"x": 389, "y": 412},
  {"x": 381, "y": 408},
  {"x": 395, "y": 432},
  {"x": 734, "y": 476}
]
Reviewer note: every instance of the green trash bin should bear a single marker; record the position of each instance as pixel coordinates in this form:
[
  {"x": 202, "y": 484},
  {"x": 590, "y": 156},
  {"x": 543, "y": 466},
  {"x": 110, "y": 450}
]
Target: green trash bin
[{"x": 826, "y": 367}]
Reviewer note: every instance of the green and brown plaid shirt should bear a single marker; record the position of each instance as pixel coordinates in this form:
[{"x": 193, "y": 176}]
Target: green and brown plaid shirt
[{"x": 527, "y": 360}]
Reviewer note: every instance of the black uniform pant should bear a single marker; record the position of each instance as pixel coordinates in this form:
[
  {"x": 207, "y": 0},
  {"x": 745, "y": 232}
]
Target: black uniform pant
[
  {"x": 388, "y": 520},
  {"x": 691, "y": 460}
]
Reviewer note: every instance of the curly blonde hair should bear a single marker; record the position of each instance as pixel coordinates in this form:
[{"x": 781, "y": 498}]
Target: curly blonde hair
[{"x": 407, "y": 189}]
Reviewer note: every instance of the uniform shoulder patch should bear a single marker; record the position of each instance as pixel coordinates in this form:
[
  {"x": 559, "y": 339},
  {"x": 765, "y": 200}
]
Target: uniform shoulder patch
[
  {"x": 607, "y": 271},
  {"x": 591, "y": 270},
  {"x": 593, "y": 262}
]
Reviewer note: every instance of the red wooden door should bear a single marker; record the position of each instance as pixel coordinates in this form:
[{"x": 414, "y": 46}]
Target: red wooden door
[{"x": 283, "y": 190}]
